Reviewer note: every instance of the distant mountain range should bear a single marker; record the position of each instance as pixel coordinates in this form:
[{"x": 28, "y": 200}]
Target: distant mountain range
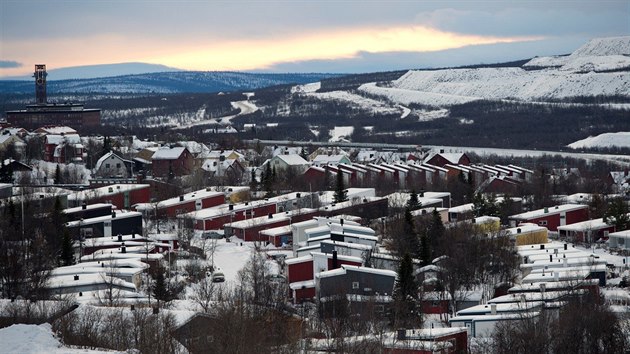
[
  {"x": 100, "y": 70},
  {"x": 165, "y": 82}
]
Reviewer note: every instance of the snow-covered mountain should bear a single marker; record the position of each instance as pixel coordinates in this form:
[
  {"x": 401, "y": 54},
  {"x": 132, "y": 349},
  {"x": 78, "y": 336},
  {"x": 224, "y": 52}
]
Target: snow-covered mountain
[{"x": 599, "y": 68}]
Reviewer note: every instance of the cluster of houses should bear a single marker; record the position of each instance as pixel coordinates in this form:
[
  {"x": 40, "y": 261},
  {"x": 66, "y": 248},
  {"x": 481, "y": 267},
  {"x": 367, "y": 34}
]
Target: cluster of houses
[{"x": 335, "y": 254}]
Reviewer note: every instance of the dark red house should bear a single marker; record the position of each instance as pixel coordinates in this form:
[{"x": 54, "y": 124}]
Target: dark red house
[
  {"x": 122, "y": 196},
  {"x": 442, "y": 158},
  {"x": 176, "y": 161},
  {"x": 197, "y": 200},
  {"x": 553, "y": 217}
]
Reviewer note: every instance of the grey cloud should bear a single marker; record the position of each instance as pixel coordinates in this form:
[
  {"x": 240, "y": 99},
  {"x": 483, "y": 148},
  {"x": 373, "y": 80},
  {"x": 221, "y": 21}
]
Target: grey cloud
[
  {"x": 541, "y": 21},
  {"x": 470, "y": 55},
  {"x": 9, "y": 64}
]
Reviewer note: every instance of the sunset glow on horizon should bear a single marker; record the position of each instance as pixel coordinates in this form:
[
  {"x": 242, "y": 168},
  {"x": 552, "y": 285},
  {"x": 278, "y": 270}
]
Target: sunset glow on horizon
[{"x": 244, "y": 55}]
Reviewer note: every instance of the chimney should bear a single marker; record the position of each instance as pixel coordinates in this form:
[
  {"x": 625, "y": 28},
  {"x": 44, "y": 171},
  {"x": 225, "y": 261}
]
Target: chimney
[
  {"x": 297, "y": 195},
  {"x": 119, "y": 238},
  {"x": 341, "y": 222},
  {"x": 270, "y": 216},
  {"x": 123, "y": 248},
  {"x": 493, "y": 309},
  {"x": 76, "y": 277},
  {"x": 542, "y": 247},
  {"x": 181, "y": 198},
  {"x": 551, "y": 258},
  {"x": 231, "y": 207},
  {"x": 335, "y": 261},
  {"x": 565, "y": 246},
  {"x": 83, "y": 206},
  {"x": 401, "y": 334},
  {"x": 113, "y": 214}
]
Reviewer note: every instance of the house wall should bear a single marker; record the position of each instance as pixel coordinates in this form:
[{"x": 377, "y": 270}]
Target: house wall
[
  {"x": 89, "y": 213},
  {"x": 124, "y": 199},
  {"x": 113, "y": 166},
  {"x": 552, "y": 221},
  {"x": 300, "y": 271}
]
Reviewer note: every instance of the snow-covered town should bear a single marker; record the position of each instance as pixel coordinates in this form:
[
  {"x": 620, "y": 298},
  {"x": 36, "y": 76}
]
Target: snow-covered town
[
  {"x": 364, "y": 177},
  {"x": 414, "y": 250}
]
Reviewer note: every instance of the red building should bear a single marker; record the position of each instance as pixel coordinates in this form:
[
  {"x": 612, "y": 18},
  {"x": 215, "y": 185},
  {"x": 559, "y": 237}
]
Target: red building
[
  {"x": 185, "y": 203},
  {"x": 214, "y": 218},
  {"x": 177, "y": 161},
  {"x": 122, "y": 196},
  {"x": 553, "y": 217},
  {"x": 250, "y": 229},
  {"x": 440, "y": 159},
  {"x": 301, "y": 272},
  {"x": 428, "y": 341}
]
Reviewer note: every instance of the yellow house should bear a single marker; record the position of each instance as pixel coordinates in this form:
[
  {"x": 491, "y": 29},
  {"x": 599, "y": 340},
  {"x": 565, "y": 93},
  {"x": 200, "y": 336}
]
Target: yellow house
[{"x": 528, "y": 234}]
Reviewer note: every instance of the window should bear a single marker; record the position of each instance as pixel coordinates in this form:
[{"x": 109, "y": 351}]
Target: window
[
  {"x": 355, "y": 285},
  {"x": 542, "y": 223},
  {"x": 106, "y": 165},
  {"x": 117, "y": 165}
]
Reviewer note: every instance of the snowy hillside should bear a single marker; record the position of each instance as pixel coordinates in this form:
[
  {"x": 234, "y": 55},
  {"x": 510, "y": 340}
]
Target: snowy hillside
[
  {"x": 620, "y": 139},
  {"x": 601, "y": 67},
  {"x": 167, "y": 82}
]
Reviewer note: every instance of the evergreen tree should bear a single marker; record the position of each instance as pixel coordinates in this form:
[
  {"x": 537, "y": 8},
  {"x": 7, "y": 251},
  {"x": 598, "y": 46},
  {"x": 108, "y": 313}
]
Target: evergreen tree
[
  {"x": 58, "y": 175},
  {"x": 107, "y": 145},
  {"x": 435, "y": 233},
  {"x": 341, "y": 194},
  {"x": 425, "y": 249},
  {"x": 412, "y": 245},
  {"x": 617, "y": 214},
  {"x": 413, "y": 203},
  {"x": 253, "y": 183},
  {"x": 406, "y": 295},
  {"x": 160, "y": 290},
  {"x": 67, "y": 251},
  {"x": 304, "y": 153},
  {"x": 268, "y": 181}
]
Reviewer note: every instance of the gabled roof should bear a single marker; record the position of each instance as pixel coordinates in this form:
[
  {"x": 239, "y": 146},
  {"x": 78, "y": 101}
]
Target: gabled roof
[
  {"x": 292, "y": 160},
  {"x": 107, "y": 156},
  {"x": 168, "y": 153}
]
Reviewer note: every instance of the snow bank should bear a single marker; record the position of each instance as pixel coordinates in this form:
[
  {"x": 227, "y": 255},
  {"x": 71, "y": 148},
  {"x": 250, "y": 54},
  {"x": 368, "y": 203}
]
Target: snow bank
[{"x": 27, "y": 339}]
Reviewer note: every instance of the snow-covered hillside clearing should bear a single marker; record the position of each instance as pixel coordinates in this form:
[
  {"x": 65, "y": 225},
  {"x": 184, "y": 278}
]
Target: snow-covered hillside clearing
[
  {"x": 607, "y": 140},
  {"x": 600, "y": 67}
]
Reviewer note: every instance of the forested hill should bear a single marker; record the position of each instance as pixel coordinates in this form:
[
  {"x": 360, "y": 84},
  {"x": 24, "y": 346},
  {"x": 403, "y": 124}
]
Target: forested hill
[{"x": 167, "y": 82}]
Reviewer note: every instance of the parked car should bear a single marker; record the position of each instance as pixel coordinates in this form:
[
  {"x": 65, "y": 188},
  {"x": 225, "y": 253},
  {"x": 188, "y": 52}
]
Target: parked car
[{"x": 218, "y": 277}]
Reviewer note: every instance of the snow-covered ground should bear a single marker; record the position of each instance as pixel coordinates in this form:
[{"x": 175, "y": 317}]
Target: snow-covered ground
[
  {"x": 340, "y": 133},
  {"x": 363, "y": 103},
  {"x": 606, "y": 140},
  {"x": 36, "y": 339},
  {"x": 306, "y": 88},
  {"x": 245, "y": 107}
]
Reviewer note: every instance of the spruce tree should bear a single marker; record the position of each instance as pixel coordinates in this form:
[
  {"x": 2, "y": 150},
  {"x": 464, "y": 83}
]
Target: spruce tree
[
  {"x": 67, "y": 251},
  {"x": 341, "y": 194},
  {"x": 160, "y": 290},
  {"x": 58, "y": 176},
  {"x": 405, "y": 295},
  {"x": 617, "y": 215},
  {"x": 411, "y": 236},
  {"x": 413, "y": 203}
]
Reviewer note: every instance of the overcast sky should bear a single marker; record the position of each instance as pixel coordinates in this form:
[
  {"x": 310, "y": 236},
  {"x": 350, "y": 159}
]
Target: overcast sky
[{"x": 280, "y": 36}]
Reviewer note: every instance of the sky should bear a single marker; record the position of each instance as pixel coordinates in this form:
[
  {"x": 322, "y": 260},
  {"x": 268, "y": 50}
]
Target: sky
[{"x": 297, "y": 36}]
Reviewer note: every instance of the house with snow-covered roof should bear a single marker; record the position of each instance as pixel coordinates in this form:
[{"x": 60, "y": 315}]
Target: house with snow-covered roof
[
  {"x": 552, "y": 217},
  {"x": 442, "y": 158},
  {"x": 112, "y": 165},
  {"x": 285, "y": 162},
  {"x": 323, "y": 160},
  {"x": 175, "y": 161}
]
